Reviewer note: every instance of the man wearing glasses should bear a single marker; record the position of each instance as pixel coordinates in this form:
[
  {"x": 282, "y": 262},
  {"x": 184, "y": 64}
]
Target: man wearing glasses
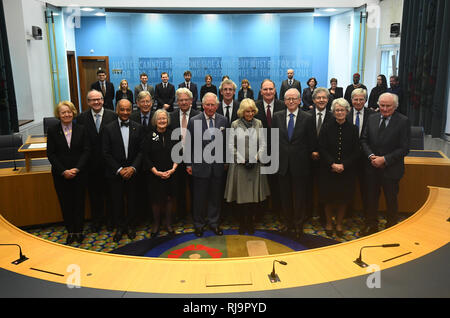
[
  {"x": 93, "y": 120},
  {"x": 296, "y": 142}
]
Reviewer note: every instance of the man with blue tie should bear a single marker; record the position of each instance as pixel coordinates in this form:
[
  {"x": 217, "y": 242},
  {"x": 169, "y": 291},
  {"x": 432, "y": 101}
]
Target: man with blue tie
[
  {"x": 385, "y": 143},
  {"x": 122, "y": 140},
  {"x": 296, "y": 142},
  {"x": 207, "y": 165}
]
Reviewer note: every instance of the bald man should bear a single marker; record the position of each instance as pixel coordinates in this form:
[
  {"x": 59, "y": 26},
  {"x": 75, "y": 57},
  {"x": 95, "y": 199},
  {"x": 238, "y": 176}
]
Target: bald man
[{"x": 290, "y": 82}]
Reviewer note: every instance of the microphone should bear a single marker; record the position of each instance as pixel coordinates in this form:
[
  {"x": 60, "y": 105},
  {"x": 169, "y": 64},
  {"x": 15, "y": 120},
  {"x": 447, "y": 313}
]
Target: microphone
[
  {"x": 22, "y": 258},
  {"x": 273, "y": 277},
  {"x": 359, "y": 260},
  {"x": 14, "y": 153}
]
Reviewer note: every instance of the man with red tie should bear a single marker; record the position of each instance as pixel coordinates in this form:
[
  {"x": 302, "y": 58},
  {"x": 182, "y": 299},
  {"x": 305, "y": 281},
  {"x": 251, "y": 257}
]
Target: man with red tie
[{"x": 267, "y": 106}]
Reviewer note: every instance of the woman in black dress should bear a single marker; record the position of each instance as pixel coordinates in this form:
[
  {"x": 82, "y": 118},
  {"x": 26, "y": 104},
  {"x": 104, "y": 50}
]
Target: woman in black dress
[
  {"x": 124, "y": 92},
  {"x": 158, "y": 147},
  {"x": 307, "y": 94},
  {"x": 245, "y": 91},
  {"x": 208, "y": 87},
  {"x": 335, "y": 92},
  {"x": 68, "y": 153},
  {"x": 377, "y": 91},
  {"x": 339, "y": 151}
]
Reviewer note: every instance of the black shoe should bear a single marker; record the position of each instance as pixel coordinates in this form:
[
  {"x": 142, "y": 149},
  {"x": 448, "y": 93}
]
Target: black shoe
[
  {"x": 339, "y": 233},
  {"x": 369, "y": 230},
  {"x": 96, "y": 228},
  {"x": 70, "y": 239},
  {"x": 131, "y": 234},
  {"x": 329, "y": 232},
  {"x": 154, "y": 234},
  {"x": 390, "y": 223},
  {"x": 217, "y": 231},
  {"x": 171, "y": 233},
  {"x": 79, "y": 238},
  {"x": 198, "y": 232},
  {"x": 118, "y": 236}
]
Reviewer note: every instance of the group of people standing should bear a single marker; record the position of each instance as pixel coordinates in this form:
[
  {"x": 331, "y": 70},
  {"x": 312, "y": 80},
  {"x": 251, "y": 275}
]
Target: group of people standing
[{"x": 126, "y": 159}]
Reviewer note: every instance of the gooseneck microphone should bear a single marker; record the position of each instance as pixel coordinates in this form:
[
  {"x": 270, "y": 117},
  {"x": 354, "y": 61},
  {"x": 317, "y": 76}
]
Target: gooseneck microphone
[
  {"x": 273, "y": 277},
  {"x": 359, "y": 260},
  {"x": 22, "y": 258}
]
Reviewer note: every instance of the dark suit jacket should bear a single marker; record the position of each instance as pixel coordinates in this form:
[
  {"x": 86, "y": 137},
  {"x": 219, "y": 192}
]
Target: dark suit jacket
[
  {"x": 338, "y": 93},
  {"x": 95, "y": 139},
  {"x": 61, "y": 156},
  {"x": 138, "y": 89},
  {"x": 175, "y": 118},
  {"x": 109, "y": 96},
  {"x": 203, "y": 169},
  {"x": 393, "y": 144},
  {"x": 194, "y": 90},
  {"x": 348, "y": 92},
  {"x": 250, "y": 94},
  {"x": 136, "y": 117},
  {"x": 114, "y": 151},
  {"x": 165, "y": 96},
  {"x": 285, "y": 86},
  {"x": 120, "y": 95},
  {"x": 234, "y": 115},
  {"x": 328, "y": 117},
  {"x": 295, "y": 154},
  {"x": 278, "y": 105},
  {"x": 367, "y": 113},
  {"x": 307, "y": 98}
]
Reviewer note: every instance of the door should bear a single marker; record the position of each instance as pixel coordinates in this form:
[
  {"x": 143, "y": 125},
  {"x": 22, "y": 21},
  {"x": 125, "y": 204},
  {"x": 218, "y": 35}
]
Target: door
[{"x": 87, "y": 69}]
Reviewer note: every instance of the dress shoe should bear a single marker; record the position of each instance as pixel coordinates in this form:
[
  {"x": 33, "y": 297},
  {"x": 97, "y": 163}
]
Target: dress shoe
[
  {"x": 250, "y": 229},
  {"x": 339, "y": 233},
  {"x": 79, "y": 238},
  {"x": 217, "y": 231},
  {"x": 70, "y": 239},
  {"x": 390, "y": 223},
  {"x": 96, "y": 228},
  {"x": 198, "y": 232},
  {"x": 131, "y": 234},
  {"x": 329, "y": 232},
  {"x": 171, "y": 233},
  {"x": 118, "y": 236},
  {"x": 369, "y": 230}
]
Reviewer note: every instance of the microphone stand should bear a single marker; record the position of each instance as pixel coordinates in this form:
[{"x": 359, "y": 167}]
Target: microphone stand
[
  {"x": 359, "y": 260},
  {"x": 14, "y": 152},
  {"x": 273, "y": 277},
  {"x": 22, "y": 258}
]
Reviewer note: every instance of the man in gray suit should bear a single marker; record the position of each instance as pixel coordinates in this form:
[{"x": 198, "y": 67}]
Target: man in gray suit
[
  {"x": 144, "y": 86},
  {"x": 205, "y": 129},
  {"x": 385, "y": 143},
  {"x": 290, "y": 82}
]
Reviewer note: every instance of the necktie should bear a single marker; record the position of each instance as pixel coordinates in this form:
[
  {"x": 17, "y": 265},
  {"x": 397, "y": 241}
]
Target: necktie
[
  {"x": 290, "y": 126},
  {"x": 269, "y": 116},
  {"x": 97, "y": 122},
  {"x": 319, "y": 123},
  {"x": 165, "y": 85},
  {"x": 211, "y": 125},
  {"x": 144, "y": 121},
  {"x": 124, "y": 123},
  {"x": 183, "y": 125},
  {"x": 290, "y": 82},
  {"x": 103, "y": 88},
  {"x": 227, "y": 113},
  {"x": 357, "y": 120},
  {"x": 187, "y": 85},
  {"x": 382, "y": 126}
]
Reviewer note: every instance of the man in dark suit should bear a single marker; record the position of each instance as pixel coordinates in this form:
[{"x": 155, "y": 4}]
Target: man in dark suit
[
  {"x": 94, "y": 120},
  {"x": 165, "y": 93},
  {"x": 290, "y": 82},
  {"x": 296, "y": 141},
  {"x": 106, "y": 88},
  {"x": 144, "y": 86},
  {"x": 191, "y": 86},
  {"x": 350, "y": 88},
  {"x": 267, "y": 107},
  {"x": 179, "y": 119},
  {"x": 228, "y": 107},
  {"x": 143, "y": 115},
  {"x": 385, "y": 142},
  {"x": 122, "y": 141},
  {"x": 207, "y": 167},
  {"x": 321, "y": 116},
  {"x": 358, "y": 116}
]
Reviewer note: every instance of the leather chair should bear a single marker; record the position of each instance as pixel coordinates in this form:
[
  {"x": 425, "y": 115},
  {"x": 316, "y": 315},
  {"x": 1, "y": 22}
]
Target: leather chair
[
  {"x": 48, "y": 122},
  {"x": 9, "y": 145},
  {"x": 417, "y": 138}
]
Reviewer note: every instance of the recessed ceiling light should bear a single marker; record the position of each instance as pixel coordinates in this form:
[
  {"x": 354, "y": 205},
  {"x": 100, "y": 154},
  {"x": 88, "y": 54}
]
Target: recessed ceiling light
[
  {"x": 87, "y": 9},
  {"x": 100, "y": 14},
  {"x": 330, "y": 10}
]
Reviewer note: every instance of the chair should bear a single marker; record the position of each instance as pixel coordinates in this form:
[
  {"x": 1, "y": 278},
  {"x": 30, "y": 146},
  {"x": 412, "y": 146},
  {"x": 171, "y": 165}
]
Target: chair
[
  {"x": 417, "y": 138},
  {"x": 9, "y": 145},
  {"x": 48, "y": 122}
]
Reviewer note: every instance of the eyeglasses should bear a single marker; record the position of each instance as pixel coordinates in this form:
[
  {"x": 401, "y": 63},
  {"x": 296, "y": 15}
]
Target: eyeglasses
[
  {"x": 94, "y": 99},
  {"x": 291, "y": 99}
]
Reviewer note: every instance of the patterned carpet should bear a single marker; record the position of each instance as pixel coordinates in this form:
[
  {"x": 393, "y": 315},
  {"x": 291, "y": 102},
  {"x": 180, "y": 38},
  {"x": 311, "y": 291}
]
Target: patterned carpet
[{"x": 103, "y": 240}]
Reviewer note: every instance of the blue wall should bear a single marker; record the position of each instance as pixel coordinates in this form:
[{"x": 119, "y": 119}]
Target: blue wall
[{"x": 252, "y": 46}]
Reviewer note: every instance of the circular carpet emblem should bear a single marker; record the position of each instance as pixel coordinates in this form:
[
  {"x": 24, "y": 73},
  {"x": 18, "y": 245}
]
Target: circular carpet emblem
[{"x": 231, "y": 244}]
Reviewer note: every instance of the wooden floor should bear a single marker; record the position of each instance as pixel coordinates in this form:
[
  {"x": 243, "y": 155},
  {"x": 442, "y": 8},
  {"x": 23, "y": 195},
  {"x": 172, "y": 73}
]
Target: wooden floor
[{"x": 426, "y": 231}]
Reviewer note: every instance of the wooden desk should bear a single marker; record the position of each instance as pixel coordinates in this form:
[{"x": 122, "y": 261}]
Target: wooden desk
[
  {"x": 32, "y": 153},
  {"x": 425, "y": 232}
]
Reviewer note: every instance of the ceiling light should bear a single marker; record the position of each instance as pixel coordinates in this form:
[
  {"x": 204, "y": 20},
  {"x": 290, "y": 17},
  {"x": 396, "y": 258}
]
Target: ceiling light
[{"x": 87, "y": 9}]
